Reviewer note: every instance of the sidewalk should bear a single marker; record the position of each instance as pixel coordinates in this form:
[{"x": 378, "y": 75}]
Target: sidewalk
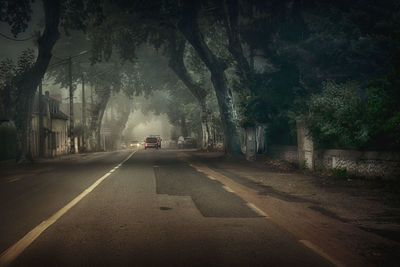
[{"x": 365, "y": 213}]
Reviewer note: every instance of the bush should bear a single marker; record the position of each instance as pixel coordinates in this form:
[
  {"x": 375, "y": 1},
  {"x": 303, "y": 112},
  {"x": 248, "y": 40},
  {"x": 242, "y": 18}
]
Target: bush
[
  {"x": 343, "y": 116},
  {"x": 335, "y": 116},
  {"x": 8, "y": 141}
]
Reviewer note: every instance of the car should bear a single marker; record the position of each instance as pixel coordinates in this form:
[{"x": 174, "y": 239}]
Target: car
[
  {"x": 189, "y": 142},
  {"x": 180, "y": 142},
  {"x": 134, "y": 144},
  {"x": 158, "y": 138},
  {"x": 186, "y": 142},
  {"x": 152, "y": 142}
]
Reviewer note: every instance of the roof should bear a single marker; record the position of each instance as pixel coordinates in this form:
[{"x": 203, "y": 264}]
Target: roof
[
  {"x": 55, "y": 113},
  {"x": 59, "y": 115}
]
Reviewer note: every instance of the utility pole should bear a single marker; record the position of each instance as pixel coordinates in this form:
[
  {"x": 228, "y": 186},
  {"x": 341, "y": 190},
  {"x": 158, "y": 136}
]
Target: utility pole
[
  {"x": 41, "y": 130},
  {"x": 83, "y": 113},
  {"x": 71, "y": 107}
]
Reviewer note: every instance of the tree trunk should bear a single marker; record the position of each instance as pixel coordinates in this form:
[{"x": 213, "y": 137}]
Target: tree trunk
[
  {"x": 119, "y": 123},
  {"x": 188, "y": 26},
  {"x": 98, "y": 130},
  {"x": 22, "y": 124},
  {"x": 207, "y": 136},
  {"x": 184, "y": 130},
  {"x": 30, "y": 81},
  {"x": 97, "y": 117},
  {"x": 260, "y": 136},
  {"x": 176, "y": 63},
  {"x": 230, "y": 20}
]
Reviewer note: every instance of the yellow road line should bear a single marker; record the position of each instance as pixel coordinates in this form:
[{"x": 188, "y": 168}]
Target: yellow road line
[
  {"x": 15, "y": 250},
  {"x": 228, "y": 189},
  {"x": 208, "y": 172},
  {"x": 320, "y": 252},
  {"x": 257, "y": 210}
]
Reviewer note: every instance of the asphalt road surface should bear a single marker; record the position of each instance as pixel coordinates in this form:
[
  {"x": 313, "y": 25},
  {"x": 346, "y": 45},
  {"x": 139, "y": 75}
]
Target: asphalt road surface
[{"x": 149, "y": 208}]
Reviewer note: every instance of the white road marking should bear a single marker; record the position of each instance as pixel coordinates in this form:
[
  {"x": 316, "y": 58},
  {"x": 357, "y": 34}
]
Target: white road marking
[
  {"x": 227, "y": 189},
  {"x": 15, "y": 250},
  {"x": 212, "y": 178},
  {"x": 11, "y": 180},
  {"x": 320, "y": 252},
  {"x": 155, "y": 166},
  {"x": 257, "y": 210}
]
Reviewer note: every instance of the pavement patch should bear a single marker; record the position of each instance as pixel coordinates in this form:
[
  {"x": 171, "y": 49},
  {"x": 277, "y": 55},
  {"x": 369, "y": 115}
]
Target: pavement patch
[{"x": 175, "y": 177}]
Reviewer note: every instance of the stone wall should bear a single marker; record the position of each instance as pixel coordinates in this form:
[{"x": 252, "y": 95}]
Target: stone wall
[
  {"x": 286, "y": 153},
  {"x": 369, "y": 164},
  {"x": 360, "y": 163}
]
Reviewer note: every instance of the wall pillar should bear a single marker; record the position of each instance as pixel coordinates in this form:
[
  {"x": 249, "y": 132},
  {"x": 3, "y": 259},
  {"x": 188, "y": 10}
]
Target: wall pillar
[
  {"x": 305, "y": 146},
  {"x": 251, "y": 146}
]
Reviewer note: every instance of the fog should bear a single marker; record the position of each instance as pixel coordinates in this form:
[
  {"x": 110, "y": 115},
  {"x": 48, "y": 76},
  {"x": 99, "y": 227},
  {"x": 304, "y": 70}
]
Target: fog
[{"x": 139, "y": 126}]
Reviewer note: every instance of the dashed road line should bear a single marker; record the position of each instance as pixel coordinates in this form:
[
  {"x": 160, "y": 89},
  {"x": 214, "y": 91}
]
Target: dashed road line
[
  {"x": 228, "y": 189},
  {"x": 257, "y": 210},
  {"x": 306, "y": 243},
  {"x": 8, "y": 256},
  {"x": 14, "y": 179}
]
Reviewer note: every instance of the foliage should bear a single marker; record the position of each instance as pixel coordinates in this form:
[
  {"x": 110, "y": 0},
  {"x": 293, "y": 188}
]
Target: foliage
[
  {"x": 7, "y": 144},
  {"x": 10, "y": 75},
  {"x": 335, "y": 116},
  {"x": 342, "y": 116},
  {"x": 17, "y": 14}
]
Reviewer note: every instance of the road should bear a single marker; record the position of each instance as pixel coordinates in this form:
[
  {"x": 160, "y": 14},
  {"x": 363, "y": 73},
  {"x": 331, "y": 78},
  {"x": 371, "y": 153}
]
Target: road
[{"x": 144, "y": 208}]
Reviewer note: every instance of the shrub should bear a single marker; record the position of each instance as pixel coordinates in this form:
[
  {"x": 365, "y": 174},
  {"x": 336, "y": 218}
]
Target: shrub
[{"x": 345, "y": 116}]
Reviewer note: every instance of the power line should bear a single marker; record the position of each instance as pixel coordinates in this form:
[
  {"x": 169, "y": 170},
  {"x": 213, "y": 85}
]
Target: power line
[
  {"x": 17, "y": 40},
  {"x": 63, "y": 61}
]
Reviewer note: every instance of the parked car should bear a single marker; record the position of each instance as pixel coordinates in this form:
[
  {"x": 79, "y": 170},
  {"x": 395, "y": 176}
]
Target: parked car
[
  {"x": 152, "y": 142},
  {"x": 189, "y": 142},
  {"x": 186, "y": 142},
  {"x": 181, "y": 140}
]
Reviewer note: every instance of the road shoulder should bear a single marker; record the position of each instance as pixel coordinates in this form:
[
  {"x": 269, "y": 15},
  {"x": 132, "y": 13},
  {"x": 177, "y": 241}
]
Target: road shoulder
[{"x": 324, "y": 215}]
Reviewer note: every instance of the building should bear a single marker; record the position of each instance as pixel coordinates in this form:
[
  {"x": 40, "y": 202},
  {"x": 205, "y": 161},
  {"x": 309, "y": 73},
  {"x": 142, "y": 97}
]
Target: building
[{"x": 55, "y": 128}]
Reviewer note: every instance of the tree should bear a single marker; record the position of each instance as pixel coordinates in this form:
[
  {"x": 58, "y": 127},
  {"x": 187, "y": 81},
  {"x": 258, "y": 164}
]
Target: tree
[
  {"x": 141, "y": 22},
  {"x": 302, "y": 44},
  {"x": 120, "y": 107},
  {"x": 17, "y": 14},
  {"x": 177, "y": 64},
  {"x": 189, "y": 27},
  {"x": 70, "y": 15}
]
